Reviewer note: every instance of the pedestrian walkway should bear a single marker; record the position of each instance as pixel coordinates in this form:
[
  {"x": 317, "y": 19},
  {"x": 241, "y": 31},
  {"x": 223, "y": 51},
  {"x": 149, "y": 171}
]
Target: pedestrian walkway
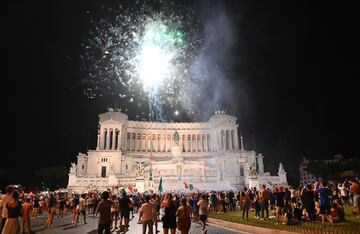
[{"x": 64, "y": 226}]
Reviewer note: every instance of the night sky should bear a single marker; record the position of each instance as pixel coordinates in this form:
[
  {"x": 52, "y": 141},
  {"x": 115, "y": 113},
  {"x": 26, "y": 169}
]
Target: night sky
[{"x": 292, "y": 68}]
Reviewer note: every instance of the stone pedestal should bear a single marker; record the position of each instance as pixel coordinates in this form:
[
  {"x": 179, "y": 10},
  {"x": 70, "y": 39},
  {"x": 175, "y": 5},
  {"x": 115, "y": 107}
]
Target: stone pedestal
[
  {"x": 254, "y": 182},
  {"x": 112, "y": 180},
  {"x": 72, "y": 179},
  {"x": 176, "y": 150},
  {"x": 140, "y": 185}
]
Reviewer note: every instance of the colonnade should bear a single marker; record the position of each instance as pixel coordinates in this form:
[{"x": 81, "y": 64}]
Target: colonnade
[
  {"x": 229, "y": 140},
  {"x": 110, "y": 139},
  {"x": 163, "y": 142}
]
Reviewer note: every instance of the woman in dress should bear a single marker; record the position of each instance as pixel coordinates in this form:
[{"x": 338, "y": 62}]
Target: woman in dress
[
  {"x": 183, "y": 214},
  {"x": 12, "y": 224},
  {"x": 169, "y": 219}
]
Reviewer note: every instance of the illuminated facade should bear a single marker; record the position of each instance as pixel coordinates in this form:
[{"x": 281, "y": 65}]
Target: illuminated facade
[{"x": 137, "y": 153}]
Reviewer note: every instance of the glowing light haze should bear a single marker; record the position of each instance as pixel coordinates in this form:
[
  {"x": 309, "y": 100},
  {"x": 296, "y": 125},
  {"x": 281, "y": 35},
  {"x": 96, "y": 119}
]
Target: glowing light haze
[{"x": 158, "y": 48}]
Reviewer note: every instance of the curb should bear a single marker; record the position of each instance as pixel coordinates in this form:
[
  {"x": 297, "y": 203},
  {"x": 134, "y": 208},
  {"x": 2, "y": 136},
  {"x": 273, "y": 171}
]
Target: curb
[{"x": 246, "y": 228}]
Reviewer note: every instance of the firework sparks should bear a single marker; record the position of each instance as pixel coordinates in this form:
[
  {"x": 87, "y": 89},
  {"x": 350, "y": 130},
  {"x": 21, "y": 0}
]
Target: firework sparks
[
  {"x": 144, "y": 55},
  {"x": 159, "y": 47}
]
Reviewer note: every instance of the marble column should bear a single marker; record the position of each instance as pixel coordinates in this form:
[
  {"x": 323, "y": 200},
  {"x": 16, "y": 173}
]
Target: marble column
[
  {"x": 195, "y": 143},
  {"x": 103, "y": 140},
  {"x": 119, "y": 140},
  {"x": 236, "y": 139},
  {"x": 204, "y": 142},
  {"x": 113, "y": 140},
  {"x": 98, "y": 142},
  {"x": 108, "y": 139}
]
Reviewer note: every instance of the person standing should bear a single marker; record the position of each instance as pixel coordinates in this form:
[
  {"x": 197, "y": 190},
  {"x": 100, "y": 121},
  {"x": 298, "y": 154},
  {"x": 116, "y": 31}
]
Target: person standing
[
  {"x": 6, "y": 198},
  {"x": 51, "y": 210},
  {"x": 279, "y": 203},
  {"x": 325, "y": 206},
  {"x": 264, "y": 202},
  {"x": 62, "y": 204},
  {"x": 35, "y": 211},
  {"x": 96, "y": 203},
  {"x": 104, "y": 211},
  {"x": 203, "y": 210},
  {"x": 169, "y": 219},
  {"x": 124, "y": 203},
  {"x": 14, "y": 210},
  {"x": 147, "y": 214},
  {"x": 25, "y": 219},
  {"x": 81, "y": 209},
  {"x": 355, "y": 192},
  {"x": 309, "y": 202},
  {"x": 156, "y": 203},
  {"x": 184, "y": 213},
  {"x": 115, "y": 210},
  {"x": 245, "y": 202},
  {"x": 75, "y": 203}
]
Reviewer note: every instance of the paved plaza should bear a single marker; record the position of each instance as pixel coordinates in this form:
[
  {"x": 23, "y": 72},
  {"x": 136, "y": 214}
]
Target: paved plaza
[{"x": 64, "y": 225}]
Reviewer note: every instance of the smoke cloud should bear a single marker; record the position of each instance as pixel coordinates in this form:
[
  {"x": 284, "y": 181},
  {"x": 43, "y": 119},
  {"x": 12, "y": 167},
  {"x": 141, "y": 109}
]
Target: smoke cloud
[{"x": 214, "y": 61}]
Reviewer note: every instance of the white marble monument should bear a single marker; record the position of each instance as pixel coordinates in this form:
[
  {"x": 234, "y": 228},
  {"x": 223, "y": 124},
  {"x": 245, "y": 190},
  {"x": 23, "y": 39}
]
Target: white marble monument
[{"x": 136, "y": 154}]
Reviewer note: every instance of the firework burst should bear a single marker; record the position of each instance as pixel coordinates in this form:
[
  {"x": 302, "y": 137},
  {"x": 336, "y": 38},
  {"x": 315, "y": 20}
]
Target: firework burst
[{"x": 144, "y": 55}]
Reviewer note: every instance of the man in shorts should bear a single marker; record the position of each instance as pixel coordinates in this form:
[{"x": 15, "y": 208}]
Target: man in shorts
[
  {"x": 325, "y": 205},
  {"x": 203, "y": 210}
]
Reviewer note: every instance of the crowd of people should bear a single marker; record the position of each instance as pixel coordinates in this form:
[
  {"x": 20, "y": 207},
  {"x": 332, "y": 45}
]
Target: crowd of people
[{"x": 312, "y": 202}]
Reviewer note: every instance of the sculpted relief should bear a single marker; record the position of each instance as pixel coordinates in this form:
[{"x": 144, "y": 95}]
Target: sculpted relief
[
  {"x": 73, "y": 168},
  {"x": 140, "y": 166}
]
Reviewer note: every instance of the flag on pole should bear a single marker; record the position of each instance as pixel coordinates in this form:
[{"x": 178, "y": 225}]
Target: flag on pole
[
  {"x": 186, "y": 185},
  {"x": 191, "y": 187},
  {"x": 160, "y": 189},
  {"x": 123, "y": 191}
]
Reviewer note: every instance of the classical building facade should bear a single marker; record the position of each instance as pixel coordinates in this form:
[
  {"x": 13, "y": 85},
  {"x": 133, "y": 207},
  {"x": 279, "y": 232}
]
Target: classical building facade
[{"x": 137, "y": 154}]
